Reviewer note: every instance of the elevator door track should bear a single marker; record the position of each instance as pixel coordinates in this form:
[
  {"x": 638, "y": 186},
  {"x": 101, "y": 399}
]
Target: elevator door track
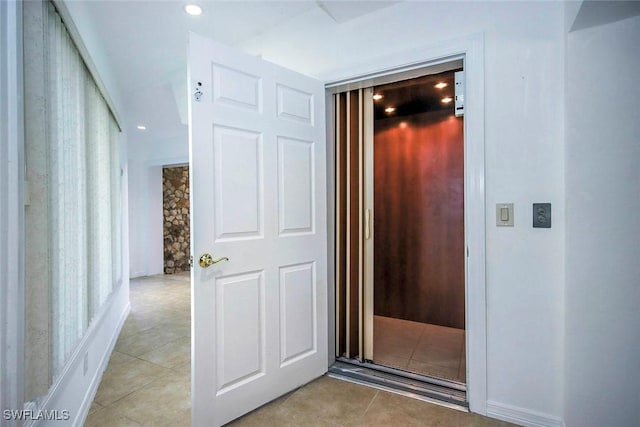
[{"x": 444, "y": 393}]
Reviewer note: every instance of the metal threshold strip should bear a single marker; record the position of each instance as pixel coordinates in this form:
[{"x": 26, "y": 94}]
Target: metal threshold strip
[{"x": 428, "y": 390}]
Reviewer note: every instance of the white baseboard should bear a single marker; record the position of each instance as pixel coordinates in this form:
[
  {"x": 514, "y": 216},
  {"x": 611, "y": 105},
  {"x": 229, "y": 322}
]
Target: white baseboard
[
  {"x": 522, "y": 416},
  {"x": 83, "y": 411},
  {"x": 74, "y": 389},
  {"x": 135, "y": 274}
]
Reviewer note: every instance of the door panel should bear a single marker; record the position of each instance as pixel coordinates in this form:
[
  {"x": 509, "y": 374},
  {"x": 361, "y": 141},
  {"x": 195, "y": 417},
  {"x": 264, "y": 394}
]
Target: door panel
[
  {"x": 239, "y": 305},
  {"x": 236, "y": 88},
  {"x": 355, "y": 216},
  {"x": 258, "y": 162},
  {"x": 238, "y": 197},
  {"x": 341, "y": 216},
  {"x": 295, "y": 105},
  {"x": 296, "y": 171},
  {"x": 297, "y": 313},
  {"x": 349, "y": 225}
]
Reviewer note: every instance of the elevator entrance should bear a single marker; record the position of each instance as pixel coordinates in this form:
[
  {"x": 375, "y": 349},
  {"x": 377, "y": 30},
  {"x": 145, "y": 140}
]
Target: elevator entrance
[{"x": 400, "y": 235}]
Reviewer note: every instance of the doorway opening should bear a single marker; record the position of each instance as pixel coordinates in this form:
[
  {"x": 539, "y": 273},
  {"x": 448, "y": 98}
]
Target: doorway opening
[
  {"x": 418, "y": 180},
  {"x": 400, "y": 228}
]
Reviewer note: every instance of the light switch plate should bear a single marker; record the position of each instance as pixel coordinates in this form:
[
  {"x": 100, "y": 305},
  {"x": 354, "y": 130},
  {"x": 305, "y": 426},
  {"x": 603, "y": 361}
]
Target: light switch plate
[
  {"x": 504, "y": 214},
  {"x": 542, "y": 215}
]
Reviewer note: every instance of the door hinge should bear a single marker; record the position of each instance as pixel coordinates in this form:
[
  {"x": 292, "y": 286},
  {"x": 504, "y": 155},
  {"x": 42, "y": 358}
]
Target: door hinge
[
  {"x": 191, "y": 261},
  {"x": 197, "y": 94}
]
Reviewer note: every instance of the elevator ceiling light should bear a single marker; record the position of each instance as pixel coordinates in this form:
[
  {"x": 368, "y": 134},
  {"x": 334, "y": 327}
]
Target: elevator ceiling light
[
  {"x": 141, "y": 127},
  {"x": 446, "y": 100},
  {"x": 389, "y": 110},
  {"x": 441, "y": 85},
  {"x": 377, "y": 97},
  {"x": 193, "y": 9}
]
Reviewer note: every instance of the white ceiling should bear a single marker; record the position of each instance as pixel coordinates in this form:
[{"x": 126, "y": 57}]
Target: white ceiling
[
  {"x": 146, "y": 43},
  {"x": 597, "y": 12}
]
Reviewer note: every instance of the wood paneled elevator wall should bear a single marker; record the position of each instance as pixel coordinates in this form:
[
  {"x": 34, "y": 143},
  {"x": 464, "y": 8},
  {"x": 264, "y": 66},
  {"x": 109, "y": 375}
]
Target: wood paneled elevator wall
[{"x": 419, "y": 218}]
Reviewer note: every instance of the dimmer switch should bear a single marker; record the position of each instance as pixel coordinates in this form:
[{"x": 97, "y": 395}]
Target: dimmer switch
[{"x": 504, "y": 214}]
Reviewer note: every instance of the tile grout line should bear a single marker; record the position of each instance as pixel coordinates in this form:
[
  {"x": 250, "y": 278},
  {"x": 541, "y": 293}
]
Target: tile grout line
[
  {"x": 370, "y": 403},
  {"x": 422, "y": 330}
]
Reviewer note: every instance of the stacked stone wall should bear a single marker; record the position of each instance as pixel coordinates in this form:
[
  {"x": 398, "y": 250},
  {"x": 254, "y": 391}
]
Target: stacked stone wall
[{"x": 175, "y": 195}]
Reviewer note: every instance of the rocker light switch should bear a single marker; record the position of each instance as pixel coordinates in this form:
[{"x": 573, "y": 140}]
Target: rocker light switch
[
  {"x": 542, "y": 215},
  {"x": 504, "y": 214}
]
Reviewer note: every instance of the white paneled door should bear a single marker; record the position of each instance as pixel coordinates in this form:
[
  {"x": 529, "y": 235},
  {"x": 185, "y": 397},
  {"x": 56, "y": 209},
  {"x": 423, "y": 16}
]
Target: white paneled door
[{"x": 258, "y": 157}]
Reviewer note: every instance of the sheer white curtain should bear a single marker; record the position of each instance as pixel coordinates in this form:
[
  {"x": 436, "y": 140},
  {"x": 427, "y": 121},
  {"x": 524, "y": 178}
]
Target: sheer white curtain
[
  {"x": 65, "y": 111},
  {"x": 73, "y": 227},
  {"x": 99, "y": 180}
]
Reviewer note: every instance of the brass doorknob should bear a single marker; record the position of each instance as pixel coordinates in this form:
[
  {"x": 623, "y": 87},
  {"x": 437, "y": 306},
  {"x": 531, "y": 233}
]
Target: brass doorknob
[{"x": 207, "y": 260}]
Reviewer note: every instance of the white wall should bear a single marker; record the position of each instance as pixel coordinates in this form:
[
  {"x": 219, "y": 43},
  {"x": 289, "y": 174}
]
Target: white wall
[
  {"x": 146, "y": 159},
  {"x": 524, "y": 122},
  {"x": 145, "y": 218},
  {"x": 602, "y": 378}
]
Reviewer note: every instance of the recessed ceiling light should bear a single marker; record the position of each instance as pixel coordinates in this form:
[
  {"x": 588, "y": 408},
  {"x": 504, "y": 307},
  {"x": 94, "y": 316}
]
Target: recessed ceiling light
[
  {"x": 193, "y": 9},
  {"x": 377, "y": 97},
  {"x": 441, "y": 85},
  {"x": 446, "y": 100},
  {"x": 141, "y": 127},
  {"x": 389, "y": 110}
]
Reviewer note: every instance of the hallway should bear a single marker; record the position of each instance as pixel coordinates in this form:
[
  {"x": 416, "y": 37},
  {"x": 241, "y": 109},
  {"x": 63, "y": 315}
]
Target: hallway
[{"x": 147, "y": 382}]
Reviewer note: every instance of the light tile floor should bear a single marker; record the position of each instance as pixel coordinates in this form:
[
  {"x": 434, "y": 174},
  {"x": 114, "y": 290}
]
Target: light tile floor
[
  {"x": 420, "y": 347},
  {"x": 147, "y": 382},
  {"x": 331, "y": 402}
]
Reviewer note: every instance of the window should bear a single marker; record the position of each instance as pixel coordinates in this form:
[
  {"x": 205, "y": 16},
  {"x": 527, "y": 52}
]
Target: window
[{"x": 72, "y": 212}]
